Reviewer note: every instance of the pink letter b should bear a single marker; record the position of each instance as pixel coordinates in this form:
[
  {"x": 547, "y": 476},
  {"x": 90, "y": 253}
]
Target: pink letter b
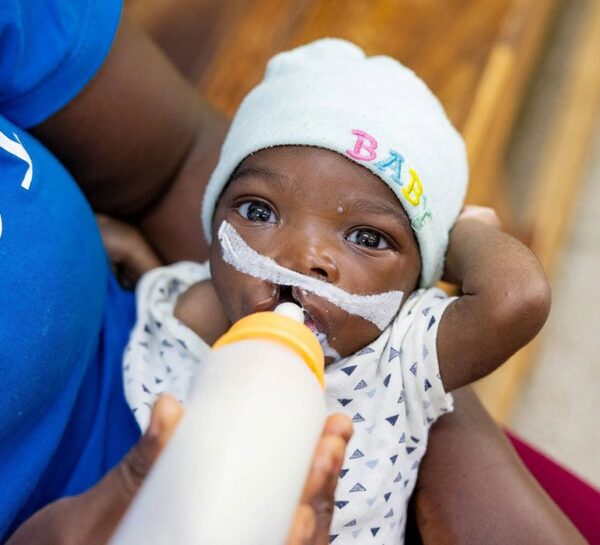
[{"x": 364, "y": 148}]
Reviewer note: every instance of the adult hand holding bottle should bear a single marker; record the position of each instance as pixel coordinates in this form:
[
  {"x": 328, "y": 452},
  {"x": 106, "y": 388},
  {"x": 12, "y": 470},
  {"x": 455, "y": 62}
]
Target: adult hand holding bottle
[{"x": 92, "y": 517}]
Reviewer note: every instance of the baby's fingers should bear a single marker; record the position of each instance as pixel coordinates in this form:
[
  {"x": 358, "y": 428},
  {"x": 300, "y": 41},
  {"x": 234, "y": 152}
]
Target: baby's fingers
[{"x": 483, "y": 214}]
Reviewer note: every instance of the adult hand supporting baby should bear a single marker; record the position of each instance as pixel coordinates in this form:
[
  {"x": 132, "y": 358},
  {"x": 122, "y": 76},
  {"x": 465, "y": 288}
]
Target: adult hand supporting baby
[{"x": 92, "y": 517}]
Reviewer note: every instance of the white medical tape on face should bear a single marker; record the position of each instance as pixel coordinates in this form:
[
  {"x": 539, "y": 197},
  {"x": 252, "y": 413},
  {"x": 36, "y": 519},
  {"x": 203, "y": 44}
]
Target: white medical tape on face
[{"x": 379, "y": 309}]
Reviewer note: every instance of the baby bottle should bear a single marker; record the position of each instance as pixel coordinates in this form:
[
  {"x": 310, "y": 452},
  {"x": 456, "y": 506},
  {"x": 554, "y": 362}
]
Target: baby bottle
[{"x": 234, "y": 470}]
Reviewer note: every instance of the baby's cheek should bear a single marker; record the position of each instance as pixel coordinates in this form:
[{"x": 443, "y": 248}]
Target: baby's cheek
[{"x": 226, "y": 287}]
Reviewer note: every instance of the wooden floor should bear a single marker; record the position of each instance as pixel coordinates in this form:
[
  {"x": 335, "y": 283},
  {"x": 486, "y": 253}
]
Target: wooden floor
[{"x": 476, "y": 55}]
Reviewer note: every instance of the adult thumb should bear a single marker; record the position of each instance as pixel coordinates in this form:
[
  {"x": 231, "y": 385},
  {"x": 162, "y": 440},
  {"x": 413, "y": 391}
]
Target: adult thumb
[
  {"x": 113, "y": 494},
  {"x": 93, "y": 516}
]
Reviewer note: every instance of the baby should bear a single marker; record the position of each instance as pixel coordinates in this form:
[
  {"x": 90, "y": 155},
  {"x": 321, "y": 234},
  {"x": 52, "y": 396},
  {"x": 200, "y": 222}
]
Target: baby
[{"x": 339, "y": 187}]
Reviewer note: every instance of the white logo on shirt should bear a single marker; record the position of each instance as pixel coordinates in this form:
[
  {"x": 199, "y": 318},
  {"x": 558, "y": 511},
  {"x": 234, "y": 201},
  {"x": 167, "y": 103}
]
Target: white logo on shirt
[{"x": 18, "y": 150}]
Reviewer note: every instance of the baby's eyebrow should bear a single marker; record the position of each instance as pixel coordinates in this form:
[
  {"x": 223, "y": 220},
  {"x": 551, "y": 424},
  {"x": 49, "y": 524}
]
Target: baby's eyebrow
[
  {"x": 380, "y": 208},
  {"x": 260, "y": 172},
  {"x": 274, "y": 178}
]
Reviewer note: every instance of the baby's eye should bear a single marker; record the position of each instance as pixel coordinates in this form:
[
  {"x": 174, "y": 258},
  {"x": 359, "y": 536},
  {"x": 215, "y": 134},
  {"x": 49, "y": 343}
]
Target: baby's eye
[
  {"x": 257, "y": 211},
  {"x": 368, "y": 238}
]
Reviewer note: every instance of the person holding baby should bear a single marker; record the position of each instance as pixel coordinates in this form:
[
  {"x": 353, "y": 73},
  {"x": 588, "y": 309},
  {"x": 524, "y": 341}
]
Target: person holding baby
[{"x": 97, "y": 97}]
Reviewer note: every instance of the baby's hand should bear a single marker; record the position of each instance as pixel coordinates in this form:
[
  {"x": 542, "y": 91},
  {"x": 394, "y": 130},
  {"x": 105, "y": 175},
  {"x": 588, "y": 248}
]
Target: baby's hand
[
  {"x": 483, "y": 214},
  {"x": 130, "y": 254}
]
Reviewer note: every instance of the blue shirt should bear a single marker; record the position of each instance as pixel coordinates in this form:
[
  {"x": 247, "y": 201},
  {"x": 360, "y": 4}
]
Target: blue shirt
[{"x": 64, "y": 321}]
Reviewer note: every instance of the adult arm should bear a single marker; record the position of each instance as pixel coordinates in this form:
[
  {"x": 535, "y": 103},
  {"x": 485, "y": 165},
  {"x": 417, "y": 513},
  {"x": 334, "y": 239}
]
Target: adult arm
[
  {"x": 473, "y": 488},
  {"x": 141, "y": 144}
]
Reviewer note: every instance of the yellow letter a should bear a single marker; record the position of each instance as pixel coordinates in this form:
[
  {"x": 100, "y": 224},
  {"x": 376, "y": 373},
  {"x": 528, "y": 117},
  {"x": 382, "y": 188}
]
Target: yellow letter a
[{"x": 414, "y": 190}]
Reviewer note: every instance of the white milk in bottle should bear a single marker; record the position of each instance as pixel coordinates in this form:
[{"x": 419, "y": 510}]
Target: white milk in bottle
[{"x": 233, "y": 472}]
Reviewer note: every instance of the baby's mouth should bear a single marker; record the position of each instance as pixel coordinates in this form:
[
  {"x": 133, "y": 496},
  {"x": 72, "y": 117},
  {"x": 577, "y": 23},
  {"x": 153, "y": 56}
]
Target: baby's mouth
[
  {"x": 289, "y": 294},
  {"x": 286, "y": 295}
]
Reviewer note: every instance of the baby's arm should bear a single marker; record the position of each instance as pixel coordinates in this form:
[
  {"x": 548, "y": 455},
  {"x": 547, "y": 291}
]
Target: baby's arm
[
  {"x": 200, "y": 309},
  {"x": 504, "y": 303}
]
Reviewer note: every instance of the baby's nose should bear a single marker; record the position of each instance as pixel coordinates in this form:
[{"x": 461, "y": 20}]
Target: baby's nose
[
  {"x": 312, "y": 256},
  {"x": 323, "y": 267}
]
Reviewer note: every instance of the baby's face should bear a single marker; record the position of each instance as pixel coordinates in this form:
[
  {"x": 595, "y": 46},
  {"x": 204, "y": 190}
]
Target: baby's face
[{"x": 319, "y": 214}]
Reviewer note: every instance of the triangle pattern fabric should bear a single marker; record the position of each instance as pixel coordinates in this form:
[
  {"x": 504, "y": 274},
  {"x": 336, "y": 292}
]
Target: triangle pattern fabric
[
  {"x": 356, "y": 454},
  {"x": 394, "y": 392},
  {"x": 372, "y": 463},
  {"x": 349, "y": 370}
]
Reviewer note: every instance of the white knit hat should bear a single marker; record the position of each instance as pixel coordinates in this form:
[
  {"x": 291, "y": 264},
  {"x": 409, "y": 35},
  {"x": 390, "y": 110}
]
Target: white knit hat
[{"x": 373, "y": 111}]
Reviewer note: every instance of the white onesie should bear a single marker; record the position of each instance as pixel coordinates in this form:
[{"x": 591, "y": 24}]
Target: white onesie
[{"x": 391, "y": 389}]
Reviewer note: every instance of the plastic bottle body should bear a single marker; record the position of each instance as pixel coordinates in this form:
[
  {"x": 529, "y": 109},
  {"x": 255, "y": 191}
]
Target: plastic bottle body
[{"x": 235, "y": 468}]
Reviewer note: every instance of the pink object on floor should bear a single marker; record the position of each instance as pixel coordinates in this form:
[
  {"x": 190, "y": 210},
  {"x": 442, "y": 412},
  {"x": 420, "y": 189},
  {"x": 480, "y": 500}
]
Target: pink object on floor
[{"x": 577, "y": 499}]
